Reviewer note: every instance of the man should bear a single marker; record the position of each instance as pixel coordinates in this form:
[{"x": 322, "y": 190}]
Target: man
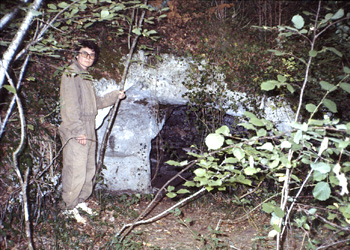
[{"x": 79, "y": 105}]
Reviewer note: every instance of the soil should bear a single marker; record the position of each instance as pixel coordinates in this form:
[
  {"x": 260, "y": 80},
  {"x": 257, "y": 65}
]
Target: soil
[{"x": 210, "y": 222}]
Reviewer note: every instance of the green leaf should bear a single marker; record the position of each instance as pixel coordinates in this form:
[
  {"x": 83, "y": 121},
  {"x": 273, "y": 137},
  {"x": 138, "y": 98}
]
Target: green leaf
[
  {"x": 316, "y": 122},
  {"x": 268, "y": 207},
  {"x": 183, "y": 191},
  {"x": 298, "y": 136},
  {"x": 267, "y": 146},
  {"x": 269, "y": 85},
  {"x": 276, "y": 227},
  {"x": 152, "y": 32},
  {"x": 170, "y": 188},
  {"x": 322, "y": 167},
  {"x": 31, "y": 78},
  {"x": 286, "y": 144},
  {"x": 230, "y": 160},
  {"x": 345, "y": 86},
  {"x": 243, "y": 180},
  {"x": 162, "y": 16},
  {"x": 215, "y": 183},
  {"x": 10, "y": 89},
  {"x": 310, "y": 107},
  {"x": 257, "y": 122},
  {"x": 62, "y": 5},
  {"x": 261, "y": 132},
  {"x": 52, "y": 6},
  {"x": 189, "y": 184},
  {"x": 322, "y": 191},
  {"x": 324, "y": 146},
  {"x": 36, "y": 13},
  {"x": 277, "y": 52},
  {"x": 343, "y": 144},
  {"x": 251, "y": 170},
  {"x": 290, "y": 88},
  {"x": 137, "y": 31},
  {"x": 238, "y": 153},
  {"x": 346, "y": 70},
  {"x": 331, "y": 216},
  {"x": 281, "y": 78},
  {"x": 338, "y": 15},
  {"x": 294, "y": 177},
  {"x": 330, "y": 105},
  {"x": 30, "y": 126},
  {"x": 247, "y": 126},
  {"x": 119, "y": 7},
  {"x": 306, "y": 226},
  {"x": 327, "y": 86},
  {"x": 104, "y": 13},
  {"x": 274, "y": 164},
  {"x": 318, "y": 176},
  {"x": 298, "y": 21},
  {"x": 334, "y": 50},
  {"x": 214, "y": 141},
  {"x": 313, "y": 53},
  {"x": 249, "y": 114},
  {"x": 223, "y": 130},
  {"x": 200, "y": 172},
  {"x": 178, "y": 164},
  {"x": 279, "y": 212},
  {"x": 171, "y": 195}
]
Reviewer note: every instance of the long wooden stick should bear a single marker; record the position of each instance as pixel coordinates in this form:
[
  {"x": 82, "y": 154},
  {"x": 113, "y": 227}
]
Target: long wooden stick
[{"x": 113, "y": 113}]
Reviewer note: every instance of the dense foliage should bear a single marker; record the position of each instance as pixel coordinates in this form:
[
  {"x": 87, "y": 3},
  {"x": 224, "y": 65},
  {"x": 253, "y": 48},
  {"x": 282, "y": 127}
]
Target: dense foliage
[{"x": 313, "y": 157}]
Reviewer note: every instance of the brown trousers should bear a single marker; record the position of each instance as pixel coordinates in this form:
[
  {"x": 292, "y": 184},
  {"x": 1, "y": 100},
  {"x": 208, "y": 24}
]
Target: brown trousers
[{"x": 79, "y": 166}]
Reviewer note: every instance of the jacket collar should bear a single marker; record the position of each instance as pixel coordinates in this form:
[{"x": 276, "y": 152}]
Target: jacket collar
[{"x": 75, "y": 62}]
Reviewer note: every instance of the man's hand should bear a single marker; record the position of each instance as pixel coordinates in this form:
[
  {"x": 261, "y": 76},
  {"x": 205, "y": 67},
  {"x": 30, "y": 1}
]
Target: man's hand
[
  {"x": 81, "y": 139},
  {"x": 121, "y": 95}
]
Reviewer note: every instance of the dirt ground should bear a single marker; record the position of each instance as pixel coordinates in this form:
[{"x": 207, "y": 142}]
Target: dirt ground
[{"x": 210, "y": 222}]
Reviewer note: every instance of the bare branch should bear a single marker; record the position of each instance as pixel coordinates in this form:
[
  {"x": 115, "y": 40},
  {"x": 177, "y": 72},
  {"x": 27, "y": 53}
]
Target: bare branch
[
  {"x": 22, "y": 179},
  {"x": 13, "y": 101},
  {"x": 11, "y": 50},
  {"x": 114, "y": 111}
]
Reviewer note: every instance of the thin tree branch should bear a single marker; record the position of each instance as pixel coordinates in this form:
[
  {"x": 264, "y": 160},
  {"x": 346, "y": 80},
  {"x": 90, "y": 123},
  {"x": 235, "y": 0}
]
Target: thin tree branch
[
  {"x": 13, "y": 101},
  {"x": 22, "y": 179},
  {"x": 332, "y": 244},
  {"x": 39, "y": 36},
  {"x": 114, "y": 111},
  {"x": 11, "y": 50},
  {"x": 162, "y": 214},
  {"x": 285, "y": 189}
]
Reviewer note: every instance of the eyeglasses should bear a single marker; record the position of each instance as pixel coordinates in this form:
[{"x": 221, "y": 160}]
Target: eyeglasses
[{"x": 87, "y": 55}]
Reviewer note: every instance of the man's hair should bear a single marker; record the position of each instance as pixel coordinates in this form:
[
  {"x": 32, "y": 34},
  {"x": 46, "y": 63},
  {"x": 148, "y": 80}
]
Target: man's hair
[{"x": 88, "y": 44}]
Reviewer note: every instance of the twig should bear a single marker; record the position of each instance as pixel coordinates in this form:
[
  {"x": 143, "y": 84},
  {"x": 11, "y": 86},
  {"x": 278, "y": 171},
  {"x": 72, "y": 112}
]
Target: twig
[
  {"x": 131, "y": 225},
  {"x": 327, "y": 221},
  {"x": 232, "y": 246},
  {"x": 147, "y": 209},
  {"x": 302, "y": 243},
  {"x": 333, "y": 244},
  {"x": 13, "y": 101}
]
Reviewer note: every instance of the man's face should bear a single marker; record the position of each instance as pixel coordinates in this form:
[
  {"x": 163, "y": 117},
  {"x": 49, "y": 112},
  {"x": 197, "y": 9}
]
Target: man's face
[{"x": 86, "y": 57}]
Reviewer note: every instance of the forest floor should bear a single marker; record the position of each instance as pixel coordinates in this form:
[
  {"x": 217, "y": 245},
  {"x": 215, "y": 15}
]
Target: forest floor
[
  {"x": 212, "y": 221},
  {"x": 209, "y": 222}
]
